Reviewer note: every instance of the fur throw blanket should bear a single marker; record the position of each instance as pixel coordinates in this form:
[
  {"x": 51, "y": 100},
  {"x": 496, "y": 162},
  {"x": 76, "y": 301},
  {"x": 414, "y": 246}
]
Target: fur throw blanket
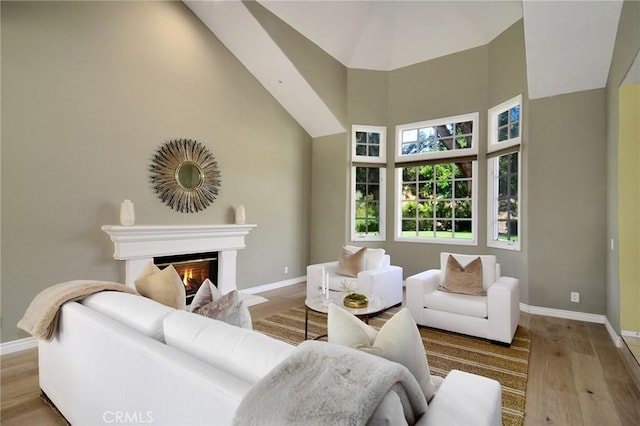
[
  {"x": 41, "y": 317},
  {"x": 322, "y": 383}
]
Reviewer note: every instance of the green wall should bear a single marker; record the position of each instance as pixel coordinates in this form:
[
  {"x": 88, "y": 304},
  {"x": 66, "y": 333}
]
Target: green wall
[
  {"x": 629, "y": 207},
  {"x": 626, "y": 48},
  {"x": 89, "y": 91}
]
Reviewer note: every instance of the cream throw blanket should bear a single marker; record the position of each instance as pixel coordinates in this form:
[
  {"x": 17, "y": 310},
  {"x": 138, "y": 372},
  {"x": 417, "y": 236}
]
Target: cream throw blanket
[
  {"x": 322, "y": 383},
  {"x": 41, "y": 317}
]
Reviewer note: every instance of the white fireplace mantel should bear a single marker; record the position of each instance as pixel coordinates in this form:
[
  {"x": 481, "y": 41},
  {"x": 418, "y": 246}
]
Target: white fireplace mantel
[{"x": 137, "y": 245}]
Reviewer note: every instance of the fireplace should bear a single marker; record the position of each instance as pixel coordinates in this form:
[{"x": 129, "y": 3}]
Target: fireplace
[
  {"x": 193, "y": 269},
  {"x": 137, "y": 245}
]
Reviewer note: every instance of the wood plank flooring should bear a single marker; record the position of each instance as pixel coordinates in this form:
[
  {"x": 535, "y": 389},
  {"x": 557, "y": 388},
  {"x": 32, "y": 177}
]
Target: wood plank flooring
[
  {"x": 576, "y": 374},
  {"x": 634, "y": 346}
]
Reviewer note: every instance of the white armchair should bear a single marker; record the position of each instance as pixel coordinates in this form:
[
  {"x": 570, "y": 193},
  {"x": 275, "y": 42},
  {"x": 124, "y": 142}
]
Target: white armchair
[
  {"x": 494, "y": 316},
  {"x": 379, "y": 278}
]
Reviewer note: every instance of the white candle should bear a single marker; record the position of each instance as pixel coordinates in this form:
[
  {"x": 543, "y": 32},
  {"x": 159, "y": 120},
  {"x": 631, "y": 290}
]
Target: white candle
[{"x": 327, "y": 285}]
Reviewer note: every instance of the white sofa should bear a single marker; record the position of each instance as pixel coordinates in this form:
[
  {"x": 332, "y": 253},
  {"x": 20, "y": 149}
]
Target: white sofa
[
  {"x": 494, "y": 316},
  {"x": 118, "y": 358},
  {"x": 379, "y": 278}
]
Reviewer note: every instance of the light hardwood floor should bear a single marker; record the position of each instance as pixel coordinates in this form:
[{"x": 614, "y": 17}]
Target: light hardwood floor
[
  {"x": 634, "y": 346},
  {"x": 576, "y": 374}
]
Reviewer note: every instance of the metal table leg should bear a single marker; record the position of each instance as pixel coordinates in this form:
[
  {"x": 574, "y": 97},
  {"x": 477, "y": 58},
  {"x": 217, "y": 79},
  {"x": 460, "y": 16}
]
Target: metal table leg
[{"x": 306, "y": 322}]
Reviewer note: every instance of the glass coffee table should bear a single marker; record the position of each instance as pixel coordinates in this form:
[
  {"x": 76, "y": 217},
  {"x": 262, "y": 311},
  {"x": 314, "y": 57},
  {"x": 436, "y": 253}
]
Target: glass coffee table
[{"x": 320, "y": 304}]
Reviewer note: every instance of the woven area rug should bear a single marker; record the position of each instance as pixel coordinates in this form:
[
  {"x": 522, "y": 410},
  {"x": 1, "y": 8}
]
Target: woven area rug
[{"x": 445, "y": 352}]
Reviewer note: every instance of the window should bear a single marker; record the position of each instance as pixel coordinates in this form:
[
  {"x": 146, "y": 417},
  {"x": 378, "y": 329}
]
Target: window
[
  {"x": 369, "y": 144},
  {"x": 436, "y": 201},
  {"x": 444, "y": 138},
  {"x": 436, "y": 169},
  {"x": 369, "y": 201},
  {"x": 503, "y": 166},
  {"x": 368, "y": 183},
  {"x": 504, "y": 125}
]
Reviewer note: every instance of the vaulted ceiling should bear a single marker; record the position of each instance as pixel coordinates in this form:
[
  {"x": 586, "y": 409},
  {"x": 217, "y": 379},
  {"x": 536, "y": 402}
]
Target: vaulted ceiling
[{"x": 568, "y": 45}]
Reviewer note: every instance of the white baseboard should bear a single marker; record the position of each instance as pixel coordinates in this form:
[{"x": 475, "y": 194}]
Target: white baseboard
[
  {"x": 629, "y": 333},
  {"x": 561, "y": 313},
  {"x": 273, "y": 286},
  {"x": 18, "y": 345},
  {"x": 617, "y": 340},
  {"x": 577, "y": 316}
]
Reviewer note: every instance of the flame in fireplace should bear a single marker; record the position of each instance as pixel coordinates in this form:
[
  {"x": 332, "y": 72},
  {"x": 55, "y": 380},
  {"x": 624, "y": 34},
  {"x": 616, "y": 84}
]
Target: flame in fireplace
[{"x": 188, "y": 275}]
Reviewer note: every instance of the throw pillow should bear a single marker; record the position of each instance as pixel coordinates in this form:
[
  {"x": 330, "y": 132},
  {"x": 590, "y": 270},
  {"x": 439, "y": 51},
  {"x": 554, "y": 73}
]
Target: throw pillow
[
  {"x": 373, "y": 258},
  {"x": 163, "y": 286},
  {"x": 203, "y": 296},
  {"x": 467, "y": 280},
  {"x": 398, "y": 340},
  {"x": 350, "y": 264},
  {"x": 224, "y": 308},
  {"x": 230, "y": 308}
]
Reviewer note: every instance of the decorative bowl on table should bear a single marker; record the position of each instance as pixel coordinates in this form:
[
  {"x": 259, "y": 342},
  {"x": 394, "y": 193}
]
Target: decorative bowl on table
[{"x": 355, "y": 300}]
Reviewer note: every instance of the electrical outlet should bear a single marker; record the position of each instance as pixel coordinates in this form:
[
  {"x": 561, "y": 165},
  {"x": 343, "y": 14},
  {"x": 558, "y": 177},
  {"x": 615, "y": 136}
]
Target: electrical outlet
[
  {"x": 286, "y": 269},
  {"x": 575, "y": 297}
]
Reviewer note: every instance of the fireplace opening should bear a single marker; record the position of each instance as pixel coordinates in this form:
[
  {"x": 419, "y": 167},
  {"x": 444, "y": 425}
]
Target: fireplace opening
[{"x": 193, "y": 269}]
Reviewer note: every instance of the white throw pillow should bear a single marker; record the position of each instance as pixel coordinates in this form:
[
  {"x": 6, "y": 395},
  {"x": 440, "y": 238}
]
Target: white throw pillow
[
  {"x": 230, "y": 308},
  {"x": 398, "y": 340},
  {"x": 373, "y": 257},
  {"x": 163, "y": 286}
]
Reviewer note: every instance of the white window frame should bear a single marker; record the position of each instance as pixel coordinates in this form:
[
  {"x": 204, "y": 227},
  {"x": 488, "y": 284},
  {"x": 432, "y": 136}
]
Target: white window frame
[
  {"x": 492, "y": 173},
  {"x": 452, "y": 156},
  {"x": 382, "y": 155},
  {"x": 437, "y": 155},
  {"x": 379, "y": 162},
  {"x": 382, "y": 207},
  {"x": 492, "y": 119},
  {"x": 492, "y": 203}
]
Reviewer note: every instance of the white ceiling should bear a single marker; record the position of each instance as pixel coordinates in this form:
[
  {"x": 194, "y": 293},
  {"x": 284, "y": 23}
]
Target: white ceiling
[
  {"x": 568, "y": 44},
  {"x": 385, "y": 35}
]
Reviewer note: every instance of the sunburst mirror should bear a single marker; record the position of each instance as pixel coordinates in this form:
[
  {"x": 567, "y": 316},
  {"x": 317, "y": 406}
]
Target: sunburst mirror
[{"x": 185, "y": 175}]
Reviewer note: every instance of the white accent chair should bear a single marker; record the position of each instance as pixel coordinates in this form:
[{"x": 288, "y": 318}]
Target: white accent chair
[
  {"x": 494, "y": 316},
  {"x": 379, "y": 278}
]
